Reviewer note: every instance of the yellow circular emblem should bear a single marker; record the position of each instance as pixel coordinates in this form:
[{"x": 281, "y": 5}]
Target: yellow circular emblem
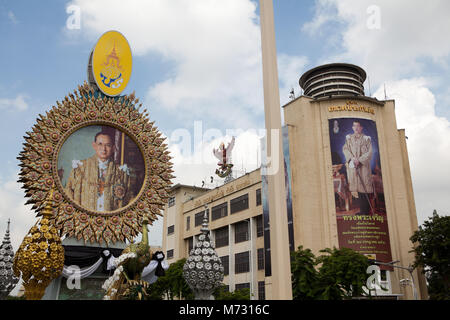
[{"x": 112, "y": 63}]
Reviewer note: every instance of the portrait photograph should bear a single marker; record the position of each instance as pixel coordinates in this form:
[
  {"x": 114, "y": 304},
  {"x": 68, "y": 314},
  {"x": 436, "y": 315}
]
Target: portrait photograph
[
  {"x": 356, "y": 169},
  {"x": 101, "y": 168}
]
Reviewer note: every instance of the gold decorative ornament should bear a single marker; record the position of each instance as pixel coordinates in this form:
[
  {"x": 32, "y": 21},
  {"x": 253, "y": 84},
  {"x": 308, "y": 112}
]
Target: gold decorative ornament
[
  {"x": 39, "y": 259},
  {"x": 82, "y": 110}
]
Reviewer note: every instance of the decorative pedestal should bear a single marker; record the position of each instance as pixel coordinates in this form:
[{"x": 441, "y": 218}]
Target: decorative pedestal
[
  {"x": 203, "y": 270},
  {"x": 90, "y": 258}
]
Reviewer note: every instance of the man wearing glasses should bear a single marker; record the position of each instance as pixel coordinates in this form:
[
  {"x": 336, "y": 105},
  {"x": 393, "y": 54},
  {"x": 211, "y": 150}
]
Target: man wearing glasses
[{"x": 97, "y": 183}]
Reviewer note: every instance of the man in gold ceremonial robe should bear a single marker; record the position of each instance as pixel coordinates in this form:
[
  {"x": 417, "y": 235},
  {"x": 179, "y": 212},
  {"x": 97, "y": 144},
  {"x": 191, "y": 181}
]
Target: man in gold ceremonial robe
[
  {"x": 358, "y": 154},
  {"x": 97, "y": 183}
]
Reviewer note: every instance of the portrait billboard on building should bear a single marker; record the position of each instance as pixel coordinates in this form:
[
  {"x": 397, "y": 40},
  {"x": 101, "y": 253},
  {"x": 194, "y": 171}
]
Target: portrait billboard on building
[{"x": 358, "y": 187}]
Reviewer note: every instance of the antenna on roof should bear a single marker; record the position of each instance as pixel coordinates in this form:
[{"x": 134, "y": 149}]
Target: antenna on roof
[
  {"x": 292, "y": 94},
  {"x": 385, "y": 95}
]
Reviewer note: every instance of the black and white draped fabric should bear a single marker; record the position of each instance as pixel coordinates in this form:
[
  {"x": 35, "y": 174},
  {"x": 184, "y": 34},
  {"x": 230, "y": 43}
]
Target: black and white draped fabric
[
  {"x": 87, "y": 260},
  {"x": 156, "y": 268}
]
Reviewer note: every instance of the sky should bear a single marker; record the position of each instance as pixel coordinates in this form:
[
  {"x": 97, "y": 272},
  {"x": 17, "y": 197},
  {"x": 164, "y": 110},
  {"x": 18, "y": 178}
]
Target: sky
[{"x": 197, "y": 69}]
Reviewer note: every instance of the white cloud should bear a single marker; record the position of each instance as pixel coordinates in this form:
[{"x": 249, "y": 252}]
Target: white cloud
[
  {"x": 290, "y": 68},
  {"x": 410, "y": 35},
  {"x": 403, "y": 49},
  {"x": 214, "y": 44},
  {"x": 12, "y": 17},
  {"x": 12, "y": 206},
  {"x": 192, "y": 168},
  {"x": 428, "y": 144},
  {"x": 18, "y": 103}
]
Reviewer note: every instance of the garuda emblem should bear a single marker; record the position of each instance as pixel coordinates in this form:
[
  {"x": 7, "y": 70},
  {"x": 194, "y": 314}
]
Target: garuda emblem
[{"x": 224, "y": 155}]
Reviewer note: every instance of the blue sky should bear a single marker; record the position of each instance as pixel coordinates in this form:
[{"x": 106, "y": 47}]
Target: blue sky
[{"x": 200, "y": 61}]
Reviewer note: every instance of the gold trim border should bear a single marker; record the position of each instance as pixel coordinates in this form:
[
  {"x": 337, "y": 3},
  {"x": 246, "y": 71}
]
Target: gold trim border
[{"x": 39, "y": 165}]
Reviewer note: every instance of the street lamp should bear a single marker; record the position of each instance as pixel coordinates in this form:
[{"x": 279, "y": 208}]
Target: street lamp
[{"x": 403, "y": 282}]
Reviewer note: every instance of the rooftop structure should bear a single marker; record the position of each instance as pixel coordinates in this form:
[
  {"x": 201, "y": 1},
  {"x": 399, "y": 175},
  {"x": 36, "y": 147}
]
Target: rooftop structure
[{"x": 335, "y": 79}]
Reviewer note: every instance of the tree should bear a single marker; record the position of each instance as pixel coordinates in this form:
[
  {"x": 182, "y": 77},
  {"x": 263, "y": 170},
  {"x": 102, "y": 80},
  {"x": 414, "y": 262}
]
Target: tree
[
  {"x": 339, "y": 274},
  {"x": 178, "y": 286},
  {"x": 159, "y": 289},
  {"x": 342, "y": 273},
  {"x": 304, "y": 274},
  {"x": 222, "y": 293},
  {"x": 432, "y": 254},
  {"x": 172, "y": 284}
]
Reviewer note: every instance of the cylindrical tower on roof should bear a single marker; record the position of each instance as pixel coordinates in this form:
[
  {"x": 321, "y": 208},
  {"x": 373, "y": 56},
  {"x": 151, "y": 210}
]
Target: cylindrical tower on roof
[{"x": 335, "y": 79}]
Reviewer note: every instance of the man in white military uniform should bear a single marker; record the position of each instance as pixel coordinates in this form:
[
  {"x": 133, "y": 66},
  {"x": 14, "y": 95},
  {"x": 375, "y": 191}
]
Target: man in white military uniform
[{"x": 358, "y": 154}]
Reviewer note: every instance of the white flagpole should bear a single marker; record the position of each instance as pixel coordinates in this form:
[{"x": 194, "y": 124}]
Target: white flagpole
[{"x": 279, "y": 284}]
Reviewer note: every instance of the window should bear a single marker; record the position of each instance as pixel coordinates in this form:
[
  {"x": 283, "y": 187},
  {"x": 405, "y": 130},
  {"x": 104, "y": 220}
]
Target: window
[
  {"x": 259, "y": 226},
  {"x": 261, "y": 290},
  {"x": 242, "y": 262},
  {"x": 171, "y": 229},
  {"x": 170, "y": 254},
  {"x": 199, "y": 218},
  {"x": 239, "y": 204},
  {"x": 188, "y": 223},
  {"x": 261, "y": 259},
  {"x": 221, "y": 236},
  {"x": 190, "y": 244},
  {"x": 258, "y": 197},
  {"x": 219, "y": 211},
  {"x": 226, "y": 264},
  {"x": 241, "y": 232},
  {"x": 171, "y": 201},
  {"x": 240, "y": 286}
]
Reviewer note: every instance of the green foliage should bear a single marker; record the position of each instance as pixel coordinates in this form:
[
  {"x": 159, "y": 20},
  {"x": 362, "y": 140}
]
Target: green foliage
[
  {"x": 339, "y": 274},
  {"x": 172, "y": 284},
  {"x": 177, "y": 284},
  {"x": 304, "y": 274},
  {"x": 159, "y": 289},
  {"x": 432, "y": 254},
  {"x": 342, "y": 273},
  {"x": 222, "y": 293}
]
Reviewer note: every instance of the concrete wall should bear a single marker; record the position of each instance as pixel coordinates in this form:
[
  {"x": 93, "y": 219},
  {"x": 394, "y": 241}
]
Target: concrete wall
[{"x": 313, "y": 200}]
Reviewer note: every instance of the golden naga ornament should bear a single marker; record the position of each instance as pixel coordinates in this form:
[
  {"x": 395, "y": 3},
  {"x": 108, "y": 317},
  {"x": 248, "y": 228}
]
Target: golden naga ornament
[
  {"x": 109, "y": 163},
  {"x": 40, "y": 257}
]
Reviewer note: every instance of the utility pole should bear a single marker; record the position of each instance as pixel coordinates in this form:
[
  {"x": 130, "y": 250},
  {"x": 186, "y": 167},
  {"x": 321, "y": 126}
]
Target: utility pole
[{"x": 280, "y": 284}]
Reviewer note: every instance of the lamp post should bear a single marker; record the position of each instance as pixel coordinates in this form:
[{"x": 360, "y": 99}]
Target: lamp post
[{"x": 410, "y": 270}]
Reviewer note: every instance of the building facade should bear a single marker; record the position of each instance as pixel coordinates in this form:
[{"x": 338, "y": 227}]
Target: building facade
[
  {"x": 350, "y": 186},
  {"x": 236, "y": 224}
]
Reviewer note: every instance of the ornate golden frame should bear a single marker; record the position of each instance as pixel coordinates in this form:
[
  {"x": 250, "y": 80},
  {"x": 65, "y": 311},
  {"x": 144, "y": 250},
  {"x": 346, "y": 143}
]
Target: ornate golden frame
[{"x": 39, "y": 170}]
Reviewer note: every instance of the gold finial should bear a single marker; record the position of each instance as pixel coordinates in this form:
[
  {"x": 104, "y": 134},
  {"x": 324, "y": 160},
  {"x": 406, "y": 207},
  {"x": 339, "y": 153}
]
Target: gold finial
[
  {"x": 40, "y": 257},
  {"x": 47, "y": 212}
]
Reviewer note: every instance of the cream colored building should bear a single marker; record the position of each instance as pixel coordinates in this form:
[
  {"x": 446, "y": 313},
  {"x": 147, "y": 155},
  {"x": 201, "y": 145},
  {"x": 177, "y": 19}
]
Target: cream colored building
[
  {"x": 235, "y": 221},
  {"x": 332, "y": 92}
]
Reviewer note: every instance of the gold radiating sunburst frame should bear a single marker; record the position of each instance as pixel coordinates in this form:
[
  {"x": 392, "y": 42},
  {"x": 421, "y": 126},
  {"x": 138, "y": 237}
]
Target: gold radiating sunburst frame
[{"x": 39, "y": 165}]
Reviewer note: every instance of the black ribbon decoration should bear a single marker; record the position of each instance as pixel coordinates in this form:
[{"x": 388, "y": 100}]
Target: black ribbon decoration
[
  {"x": 86, "y": 256},
  {"x": 159, "y": 272}
]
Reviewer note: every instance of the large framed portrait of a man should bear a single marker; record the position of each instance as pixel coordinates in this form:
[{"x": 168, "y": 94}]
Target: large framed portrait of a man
[
  {"x": 101, "y": 169},
  {"x": 357, "y": 176},
  {"x": 356, "y": 168}
]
